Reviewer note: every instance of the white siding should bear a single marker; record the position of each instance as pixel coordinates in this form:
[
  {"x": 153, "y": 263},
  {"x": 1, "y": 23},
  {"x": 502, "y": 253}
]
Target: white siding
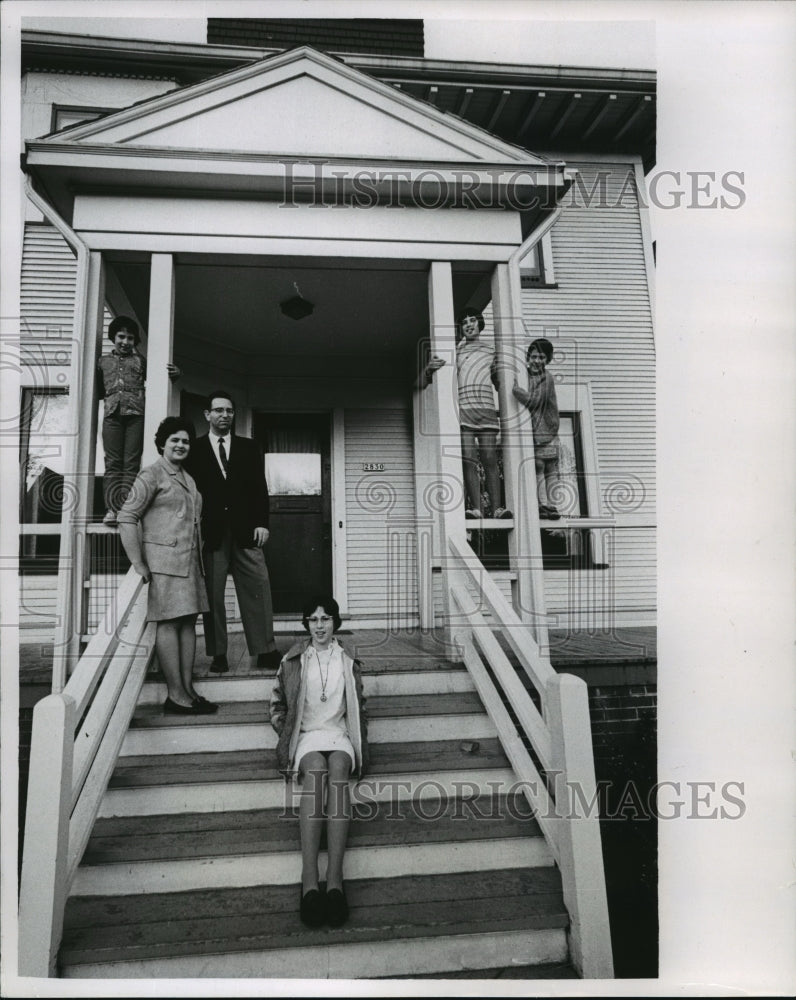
[
  {"x": 380, "y": 509},
  {"x": 600, "y": 321},
  {"x": 47, "y": 300}
]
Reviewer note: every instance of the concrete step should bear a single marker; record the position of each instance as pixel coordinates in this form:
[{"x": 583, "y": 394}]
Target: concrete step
[
  {"x": 253, "y": 793},
  {"x": 187, "y": 852},
  {"x": 248, "y": 779},
  {"x": 246, "y": 725},
  {"x": 400, "y": 925},
  {"x": 227, "y": 688},
  {"x": 208, "y": 835}
]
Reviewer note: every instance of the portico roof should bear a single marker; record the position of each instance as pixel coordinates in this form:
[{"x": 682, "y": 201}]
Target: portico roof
[
  {"x": 303, "y": 112},
  {"x": 549, "y": 107}
]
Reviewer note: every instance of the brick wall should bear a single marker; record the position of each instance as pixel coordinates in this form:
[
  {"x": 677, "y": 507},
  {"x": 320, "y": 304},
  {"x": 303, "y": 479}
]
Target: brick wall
[
  {"x": 624, "y": 722},
  {"x": 377, "y": 36}
]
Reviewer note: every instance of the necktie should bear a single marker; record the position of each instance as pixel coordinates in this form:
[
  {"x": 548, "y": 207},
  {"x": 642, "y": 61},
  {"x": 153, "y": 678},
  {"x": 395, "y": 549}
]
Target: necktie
[{"x": 222, "y": 454}]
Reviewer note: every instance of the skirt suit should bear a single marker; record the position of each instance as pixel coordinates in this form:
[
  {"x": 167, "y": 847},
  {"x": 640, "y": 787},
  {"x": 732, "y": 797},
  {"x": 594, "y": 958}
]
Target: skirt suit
[{"x": 166, "y": 503}]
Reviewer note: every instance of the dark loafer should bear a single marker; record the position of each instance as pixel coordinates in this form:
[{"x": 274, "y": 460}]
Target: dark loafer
[
  {"x": 336, "y": 907},
  {"x": 203, "y": 706},
  {"x": 312, "y": 910},
  {"x": 173, "y": 708}
]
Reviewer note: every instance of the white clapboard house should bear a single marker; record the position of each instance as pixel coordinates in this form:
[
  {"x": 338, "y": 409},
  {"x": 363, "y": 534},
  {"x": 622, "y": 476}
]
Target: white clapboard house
[{"x": 302, "y": 222}]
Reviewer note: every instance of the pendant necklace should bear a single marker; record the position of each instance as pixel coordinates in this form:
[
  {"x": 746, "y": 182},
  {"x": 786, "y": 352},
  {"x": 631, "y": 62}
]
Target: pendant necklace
[{"x": 324, "y": 680}]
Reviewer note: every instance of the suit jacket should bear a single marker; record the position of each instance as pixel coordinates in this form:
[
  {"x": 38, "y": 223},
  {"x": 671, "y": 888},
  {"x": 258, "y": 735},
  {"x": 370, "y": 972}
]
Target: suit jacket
[
  {"x": 167, "y": 511},
  {"x": 240, "y": 500}
]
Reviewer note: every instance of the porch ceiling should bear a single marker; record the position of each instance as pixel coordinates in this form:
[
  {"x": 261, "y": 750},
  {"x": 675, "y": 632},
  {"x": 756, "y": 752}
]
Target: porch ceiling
[{"x": 361, "y": 309}]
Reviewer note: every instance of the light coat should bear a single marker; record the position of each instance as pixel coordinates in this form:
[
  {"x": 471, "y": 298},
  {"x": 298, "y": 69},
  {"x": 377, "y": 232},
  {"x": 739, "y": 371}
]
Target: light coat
[
  {"x": 287, "y": 706},
  {"x": 169, "y": 513}
]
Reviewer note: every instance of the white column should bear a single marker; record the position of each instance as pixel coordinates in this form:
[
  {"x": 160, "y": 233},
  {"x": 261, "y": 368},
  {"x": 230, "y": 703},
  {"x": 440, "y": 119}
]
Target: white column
[
  {"x": 80, "y": 459},
  {"x": 445, "y": 493},
  {"x": 427, "y": 518},
  {"x": 525, "y": 545},
  {"x": 162, "y": 397},
  {"x": 339, "y": 513}
]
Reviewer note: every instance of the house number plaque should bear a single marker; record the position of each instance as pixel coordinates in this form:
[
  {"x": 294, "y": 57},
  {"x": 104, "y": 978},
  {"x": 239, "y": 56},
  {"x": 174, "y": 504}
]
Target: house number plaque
[{"x": 373, "y": 466}]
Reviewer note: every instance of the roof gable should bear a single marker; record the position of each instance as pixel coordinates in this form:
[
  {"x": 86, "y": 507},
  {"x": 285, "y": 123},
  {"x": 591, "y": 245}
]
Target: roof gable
[{"x": 299, "y": 103}]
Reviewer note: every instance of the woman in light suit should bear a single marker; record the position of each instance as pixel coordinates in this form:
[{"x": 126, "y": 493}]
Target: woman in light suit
[{"x": 159, "y": 529}]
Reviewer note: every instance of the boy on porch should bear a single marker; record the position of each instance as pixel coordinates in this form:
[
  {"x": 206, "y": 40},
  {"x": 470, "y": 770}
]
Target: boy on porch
[
  {"x": 542, "y": 403},
  {"x": 122, "y": 375}
]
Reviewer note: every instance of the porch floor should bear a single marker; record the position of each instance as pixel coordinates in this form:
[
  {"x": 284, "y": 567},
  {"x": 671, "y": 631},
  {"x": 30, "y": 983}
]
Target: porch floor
[{"x": 630, "y": 648}]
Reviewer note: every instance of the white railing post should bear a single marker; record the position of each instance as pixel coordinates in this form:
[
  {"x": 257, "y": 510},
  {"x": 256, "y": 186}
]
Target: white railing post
[
  {"x": 43, "y": 884},
  {"x": 516, "y": 437},
  {"x": 79, "y": 472},
  {"x": 445, "y": 495},
  {"x": 578, "y": 826},
  {"x": 162, "y": 398}
]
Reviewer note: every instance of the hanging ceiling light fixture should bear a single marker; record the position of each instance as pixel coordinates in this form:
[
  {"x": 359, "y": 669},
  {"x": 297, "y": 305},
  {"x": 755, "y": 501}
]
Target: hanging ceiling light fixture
[{"x": 296, "y": 307}]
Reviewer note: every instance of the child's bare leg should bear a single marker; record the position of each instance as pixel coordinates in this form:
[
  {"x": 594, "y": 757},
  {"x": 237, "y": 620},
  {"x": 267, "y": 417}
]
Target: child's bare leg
[
  {"x": 489, "y": 456},
  {"x": 312, "y": 772},
  {"x": 472, "y": 484},
  {"x": 339, "y": 809}
]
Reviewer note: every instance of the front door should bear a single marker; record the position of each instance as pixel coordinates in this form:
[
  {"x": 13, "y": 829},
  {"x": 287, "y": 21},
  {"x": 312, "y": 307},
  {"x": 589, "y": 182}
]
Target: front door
[{"x": 298, "y": 473}]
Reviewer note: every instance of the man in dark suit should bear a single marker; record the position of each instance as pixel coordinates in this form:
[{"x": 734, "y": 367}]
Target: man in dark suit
[{"x": 230, "y": 475}]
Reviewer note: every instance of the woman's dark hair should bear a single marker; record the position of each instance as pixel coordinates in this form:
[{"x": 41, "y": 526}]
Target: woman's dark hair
[
  {"x": 463, "y": 317},
  {"x": 170, "y": 426},
  {"x": 218, "y": 394},
  {"x": 123, "y": 323},
  {"x": 329, "y": 605},
  {"x": 542, "y": 344}
]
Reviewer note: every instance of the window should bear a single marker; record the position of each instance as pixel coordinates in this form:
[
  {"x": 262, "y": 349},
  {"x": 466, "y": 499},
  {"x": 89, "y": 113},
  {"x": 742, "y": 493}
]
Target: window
[
  {"x": 568, "y": 543},
  {"x": 65, "y": 116},
  {"x": 44, "y": 430},
  {"x": 536, "y": 268}
]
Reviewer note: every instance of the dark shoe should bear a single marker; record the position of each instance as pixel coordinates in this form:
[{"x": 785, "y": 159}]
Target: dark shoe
[
  {"x": 269, "y": 661},
  {"x": 203, "y": 706},
  {"x": 552, "y": 514},
  {"x": 172, "y": 708},
  {"x": 473, "y": 513},
  {"x": 312, "y": 910},
  {"x": 502, "y": 514},
  {"x": 336, "y": 907},
  {"x": 219, "y": 665}
]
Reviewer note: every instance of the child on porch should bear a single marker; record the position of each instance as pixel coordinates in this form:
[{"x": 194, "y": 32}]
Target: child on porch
[
  {"x": 318, "y": 710},
  {"x": 122, "y": 375},
  {"x": 476, "y": 369},
  {"x": 540, "y": 399}
]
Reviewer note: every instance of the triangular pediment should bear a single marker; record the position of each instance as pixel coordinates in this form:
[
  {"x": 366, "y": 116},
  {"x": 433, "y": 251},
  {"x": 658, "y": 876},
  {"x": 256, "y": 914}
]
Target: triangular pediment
[{"x": 299, "y": 103}]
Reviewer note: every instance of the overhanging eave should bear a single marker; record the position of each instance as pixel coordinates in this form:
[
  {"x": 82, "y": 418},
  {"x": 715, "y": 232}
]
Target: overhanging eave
[{"x": 63, "y": 169}]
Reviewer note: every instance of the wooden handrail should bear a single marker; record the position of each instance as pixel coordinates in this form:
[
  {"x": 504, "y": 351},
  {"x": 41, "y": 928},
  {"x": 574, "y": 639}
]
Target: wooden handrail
[
  {"x": 102, "y": 645},
  {"x": 512, "y": 627},
  {"x": 77, "y": 736},
  {"x": 560, "y": 737}
]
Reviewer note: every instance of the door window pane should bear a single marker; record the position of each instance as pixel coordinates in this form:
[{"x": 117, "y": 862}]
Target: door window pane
[
  {"x": 293, "y": 474},
  {"x": 293, "y": 459}
]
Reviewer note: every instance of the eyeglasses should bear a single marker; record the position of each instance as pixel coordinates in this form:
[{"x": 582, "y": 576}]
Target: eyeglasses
[
  {"x": 222, "y": 409},
  {"x": 324, "y": 620}
]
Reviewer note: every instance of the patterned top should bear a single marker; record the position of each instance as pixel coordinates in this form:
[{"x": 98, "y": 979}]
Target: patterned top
[
  {"x": 122, "y": 378},
  {"x": 476, "y": 368}
]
